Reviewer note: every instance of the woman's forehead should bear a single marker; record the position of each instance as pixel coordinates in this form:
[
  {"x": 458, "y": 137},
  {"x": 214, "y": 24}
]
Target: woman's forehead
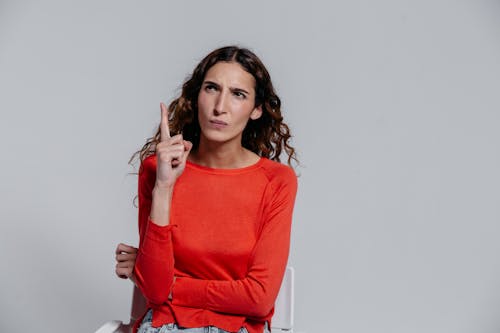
[{"x": 230, "y": 74}]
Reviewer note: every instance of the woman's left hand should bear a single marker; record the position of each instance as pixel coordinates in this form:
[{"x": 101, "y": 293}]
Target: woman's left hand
[{"x": 125, "y": 261}]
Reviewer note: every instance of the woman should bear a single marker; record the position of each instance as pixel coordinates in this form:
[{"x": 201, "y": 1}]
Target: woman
[{"x": 215, "y": 204}]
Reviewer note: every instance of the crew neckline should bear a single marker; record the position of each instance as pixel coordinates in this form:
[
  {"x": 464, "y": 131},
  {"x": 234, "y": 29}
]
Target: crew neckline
[{"x": 225, "y": 171}]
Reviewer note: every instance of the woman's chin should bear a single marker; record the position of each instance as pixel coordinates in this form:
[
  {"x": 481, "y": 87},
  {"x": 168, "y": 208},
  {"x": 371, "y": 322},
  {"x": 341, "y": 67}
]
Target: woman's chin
[{"x": 217, "y": 137}]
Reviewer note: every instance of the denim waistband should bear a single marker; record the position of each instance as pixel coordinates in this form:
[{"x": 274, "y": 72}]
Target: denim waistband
[{"x": 146, "y": 327}]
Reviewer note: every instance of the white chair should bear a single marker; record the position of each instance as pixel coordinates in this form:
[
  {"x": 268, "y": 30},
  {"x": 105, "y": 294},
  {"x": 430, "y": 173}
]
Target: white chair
[
  {"x": 283, "y": 308},
  {"x": 282, "y": 320}
]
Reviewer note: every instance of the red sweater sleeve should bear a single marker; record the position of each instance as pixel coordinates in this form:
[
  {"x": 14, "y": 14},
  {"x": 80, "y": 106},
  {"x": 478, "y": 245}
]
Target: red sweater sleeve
[
  {"x": 154, "y": 264},
  {"x": 254, "y": 295}
]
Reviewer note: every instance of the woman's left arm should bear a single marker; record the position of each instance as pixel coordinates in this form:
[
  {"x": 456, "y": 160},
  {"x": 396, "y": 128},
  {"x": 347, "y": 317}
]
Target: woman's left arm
[{"x": 255, "y": 294}]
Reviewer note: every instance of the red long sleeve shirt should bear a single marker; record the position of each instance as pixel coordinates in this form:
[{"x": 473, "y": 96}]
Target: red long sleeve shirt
[{"x": 227, "y": 245}]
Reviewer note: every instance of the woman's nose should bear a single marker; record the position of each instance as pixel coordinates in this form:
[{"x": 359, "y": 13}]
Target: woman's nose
[{"x": 220, "y": 103}]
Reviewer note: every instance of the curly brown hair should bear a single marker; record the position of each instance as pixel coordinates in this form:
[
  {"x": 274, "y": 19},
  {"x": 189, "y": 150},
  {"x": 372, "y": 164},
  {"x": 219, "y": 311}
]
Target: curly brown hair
[{"x": 266, "y": 136}]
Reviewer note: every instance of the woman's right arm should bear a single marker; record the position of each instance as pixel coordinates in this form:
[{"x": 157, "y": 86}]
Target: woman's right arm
[{"x": 154, "y": 265}]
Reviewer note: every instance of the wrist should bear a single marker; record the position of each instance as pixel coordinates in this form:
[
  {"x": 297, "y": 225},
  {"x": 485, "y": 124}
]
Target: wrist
[
  {"x": 163, "y": 190},
  {"x": 160, "y": 206}
]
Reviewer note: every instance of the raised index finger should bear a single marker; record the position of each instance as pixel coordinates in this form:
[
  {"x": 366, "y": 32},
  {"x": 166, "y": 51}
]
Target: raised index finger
[{"x": 164, "y": 130}]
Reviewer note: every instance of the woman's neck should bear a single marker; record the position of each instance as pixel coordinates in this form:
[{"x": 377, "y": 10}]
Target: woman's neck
[{"x": 222, "y": 156}]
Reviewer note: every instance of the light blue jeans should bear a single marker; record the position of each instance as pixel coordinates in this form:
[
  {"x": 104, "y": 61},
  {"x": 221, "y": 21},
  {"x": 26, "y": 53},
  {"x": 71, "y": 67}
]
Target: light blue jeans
[{"x": 173, "y": 328}]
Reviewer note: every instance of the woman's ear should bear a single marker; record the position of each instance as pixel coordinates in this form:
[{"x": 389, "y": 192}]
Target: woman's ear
[{"x": 256, "y": 112}]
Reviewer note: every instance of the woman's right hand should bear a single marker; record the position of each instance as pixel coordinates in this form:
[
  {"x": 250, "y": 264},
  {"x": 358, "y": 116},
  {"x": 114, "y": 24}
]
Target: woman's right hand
[{"x": 171, "y": 153}]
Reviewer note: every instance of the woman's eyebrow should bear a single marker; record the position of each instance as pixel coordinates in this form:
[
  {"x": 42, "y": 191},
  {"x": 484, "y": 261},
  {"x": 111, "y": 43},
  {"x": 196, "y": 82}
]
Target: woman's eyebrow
[
  {"x": 210, "y": 82},
  {"x": 232, "y": 88},
  {"x": 240, "y": 90}
]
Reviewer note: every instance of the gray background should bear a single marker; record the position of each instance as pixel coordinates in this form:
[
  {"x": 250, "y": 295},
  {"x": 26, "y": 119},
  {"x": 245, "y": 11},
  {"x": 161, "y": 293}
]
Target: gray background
[{"x": 394, "y": 107}]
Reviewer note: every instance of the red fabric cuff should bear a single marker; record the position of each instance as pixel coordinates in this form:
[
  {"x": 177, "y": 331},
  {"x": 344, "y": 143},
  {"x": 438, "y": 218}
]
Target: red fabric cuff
[
  {"x": 190, "y": 292},
  {"x": 158, "y": 232},
  {"x": 157, "y": 241}
]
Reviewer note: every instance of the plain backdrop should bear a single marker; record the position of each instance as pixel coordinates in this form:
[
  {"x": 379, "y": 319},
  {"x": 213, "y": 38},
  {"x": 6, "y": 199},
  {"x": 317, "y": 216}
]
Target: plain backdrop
[{"x": 394, "y": 108}]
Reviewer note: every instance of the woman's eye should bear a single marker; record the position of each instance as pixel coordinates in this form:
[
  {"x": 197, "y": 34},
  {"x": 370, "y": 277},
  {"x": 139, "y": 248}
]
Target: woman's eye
[
  {"x": 239, "y": 94},
  {"x": 210, "y": 87}
]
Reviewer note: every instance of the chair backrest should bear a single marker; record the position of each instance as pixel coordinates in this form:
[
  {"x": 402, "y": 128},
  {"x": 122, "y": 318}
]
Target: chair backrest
[{"x": 283, "y": 309}]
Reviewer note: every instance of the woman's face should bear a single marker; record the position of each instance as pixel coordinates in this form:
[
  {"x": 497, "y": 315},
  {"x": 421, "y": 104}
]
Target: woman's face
[{"x": 226, "y": 102}]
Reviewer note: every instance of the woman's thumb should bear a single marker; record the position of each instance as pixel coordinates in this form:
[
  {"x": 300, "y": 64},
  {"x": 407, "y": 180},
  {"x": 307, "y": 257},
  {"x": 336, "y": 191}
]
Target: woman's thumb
[{"x": 187, "y": 148}]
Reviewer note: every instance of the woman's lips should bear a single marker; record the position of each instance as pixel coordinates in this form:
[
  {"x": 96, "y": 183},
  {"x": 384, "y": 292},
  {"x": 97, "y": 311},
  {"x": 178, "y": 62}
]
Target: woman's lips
[{"x": 218, "y": 123}]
